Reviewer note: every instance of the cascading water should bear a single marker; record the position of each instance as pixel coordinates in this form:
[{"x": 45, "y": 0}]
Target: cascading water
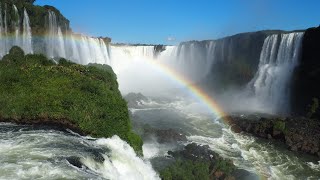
[
  {"x": 75, "y": 47},
  {"x": 53, "y": 44},
  {"x": 5, "y": 33},
  {"x": 44, "y": 153},
  {"x": 192, "y": 60},
  {"x": 271, "y": 84},
  {"x": 22, "y": 39},
  {"x": 2, "y": 34},
  {"x": 27, "y": 36},
  {"x": 16, "y": 24}
]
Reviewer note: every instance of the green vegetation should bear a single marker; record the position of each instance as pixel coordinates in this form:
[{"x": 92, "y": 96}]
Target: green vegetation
[
  {"x": 193, "y": 170},
  {"x": 279, "y": 125},
  {"x": 224, "y": 166},
  {"x": 313, "y": 107},
  {"x": 33, "y": 87},
  {"x": 186, "y": 170},
  {"x": 197, "y": 162}
]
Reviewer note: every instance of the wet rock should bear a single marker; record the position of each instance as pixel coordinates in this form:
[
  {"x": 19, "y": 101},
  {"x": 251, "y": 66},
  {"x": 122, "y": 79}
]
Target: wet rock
[
  {"x": 75, "y": 161},
  {"x": 97, "y": 156},
  {"x": 298, "y": 133},
  {"x": 236, "y": 129}
]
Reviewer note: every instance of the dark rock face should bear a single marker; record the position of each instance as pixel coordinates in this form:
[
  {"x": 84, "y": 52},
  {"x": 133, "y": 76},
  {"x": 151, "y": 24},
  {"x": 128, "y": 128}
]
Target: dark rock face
[
  {"x": 158, "y": 49},
  {"x": 299, "y": 134},
  {"x": 307, "y": 75},
  {"x": 236, "y": 60}
]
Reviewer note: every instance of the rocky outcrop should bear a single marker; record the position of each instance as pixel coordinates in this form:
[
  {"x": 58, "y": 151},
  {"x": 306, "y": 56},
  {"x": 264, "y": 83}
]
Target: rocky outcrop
[
  {"x": 158, "y": 49},
  {"x": 307, "y": 75},
  {"x": 202, "y": 162},
  {"x": 299, "y": 134}
]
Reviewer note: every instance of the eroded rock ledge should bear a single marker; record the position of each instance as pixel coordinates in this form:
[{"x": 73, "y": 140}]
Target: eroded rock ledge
[{"x": 298, "y": 133}]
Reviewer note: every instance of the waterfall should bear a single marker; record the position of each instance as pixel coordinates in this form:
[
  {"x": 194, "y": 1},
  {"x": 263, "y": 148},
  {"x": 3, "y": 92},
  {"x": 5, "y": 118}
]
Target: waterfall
[
  {"x": 60, "y": 42},
  {"x": 195, "y": 59},
  {"x": 5, "y": 33},
  {"x": 52, "y": 32},
  {"x": 22, "y": 39},
  {"x": 16, "y": 24},
  {"x": 271, "y": 83},
  {"x": 75, "y": 47},
  {"x": 2, "y": 35},
  {"x": 27, "y": 37}
]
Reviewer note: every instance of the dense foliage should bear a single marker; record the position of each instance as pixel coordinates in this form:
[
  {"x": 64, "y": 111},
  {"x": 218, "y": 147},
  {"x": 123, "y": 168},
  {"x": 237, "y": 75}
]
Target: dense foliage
[
  {"x": 186, "y": 170},
  {"x": 197, "y": 162},
  {"x": 31, "y": 86}
]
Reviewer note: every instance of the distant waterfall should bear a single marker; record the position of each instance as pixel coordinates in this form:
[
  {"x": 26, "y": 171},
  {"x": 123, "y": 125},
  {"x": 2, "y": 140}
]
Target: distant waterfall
[
  {"x": 271, "y": 84},
  {"x": 15, "y": 38},
  {"x": 2, "y": 34},
  {"x": 27, "y": 36},
  {"x": 16, "y": 24},
  {"x": 195, "y": 59},
  {"x": 54, "y": 40},
  {"x": 78, "y": 48}
]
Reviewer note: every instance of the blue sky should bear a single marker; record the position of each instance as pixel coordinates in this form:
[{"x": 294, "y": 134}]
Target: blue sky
[{"x": 173, "y": 21}]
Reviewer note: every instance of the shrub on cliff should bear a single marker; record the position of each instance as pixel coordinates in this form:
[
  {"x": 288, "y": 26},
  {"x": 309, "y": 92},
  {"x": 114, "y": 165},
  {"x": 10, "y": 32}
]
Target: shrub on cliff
[
  {"x": 313, "y": 107},
  {"x": 33, "y": 87}
]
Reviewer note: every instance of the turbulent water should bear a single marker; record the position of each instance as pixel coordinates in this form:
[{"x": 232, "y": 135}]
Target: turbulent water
[
  {"x": 260, "y": 157},
  {"x": 43, "y": 153}
]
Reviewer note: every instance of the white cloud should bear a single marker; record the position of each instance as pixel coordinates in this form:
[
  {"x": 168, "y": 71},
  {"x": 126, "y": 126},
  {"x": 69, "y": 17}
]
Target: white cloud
[{"x": 171, "y": 39}]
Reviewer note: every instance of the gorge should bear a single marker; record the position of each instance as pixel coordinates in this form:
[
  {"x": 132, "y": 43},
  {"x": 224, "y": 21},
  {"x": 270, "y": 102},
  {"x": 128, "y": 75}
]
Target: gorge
[{"x": 187, "y": 93}]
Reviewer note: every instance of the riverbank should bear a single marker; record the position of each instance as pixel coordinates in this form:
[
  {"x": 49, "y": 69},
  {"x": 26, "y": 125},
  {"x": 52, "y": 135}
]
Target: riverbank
[{"x": 297, "y": 133}]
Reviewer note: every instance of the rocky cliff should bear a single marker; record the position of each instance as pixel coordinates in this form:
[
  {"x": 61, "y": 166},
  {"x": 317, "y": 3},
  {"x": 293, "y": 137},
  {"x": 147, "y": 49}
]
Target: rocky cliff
[
  {"x": 306, "y": 78},
  {"x": 236, "y": 59},
  {"x": 38, "y": 15}
]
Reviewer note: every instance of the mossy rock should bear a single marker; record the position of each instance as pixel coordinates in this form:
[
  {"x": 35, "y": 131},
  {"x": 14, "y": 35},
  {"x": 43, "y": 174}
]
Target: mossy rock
[
  {"x": 34, "y": 87},
  {"x": 279, "y": 125}
]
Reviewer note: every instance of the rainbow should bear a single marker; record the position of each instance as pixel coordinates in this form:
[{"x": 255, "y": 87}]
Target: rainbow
[
  {"x": 196, "y": 91},
  {"x": 192, "y": 87}
]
